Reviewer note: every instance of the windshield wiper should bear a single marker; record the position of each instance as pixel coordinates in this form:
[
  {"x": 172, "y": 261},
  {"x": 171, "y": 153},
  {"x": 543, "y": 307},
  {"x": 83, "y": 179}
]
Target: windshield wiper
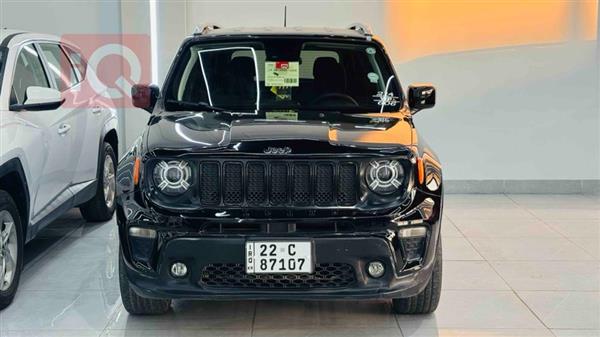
[{"x": 195, "y": 106}]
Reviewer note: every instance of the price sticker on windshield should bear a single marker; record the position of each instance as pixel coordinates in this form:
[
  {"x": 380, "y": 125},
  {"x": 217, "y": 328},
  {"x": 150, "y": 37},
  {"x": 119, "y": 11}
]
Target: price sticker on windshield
[{"x": 282, "y": 74}]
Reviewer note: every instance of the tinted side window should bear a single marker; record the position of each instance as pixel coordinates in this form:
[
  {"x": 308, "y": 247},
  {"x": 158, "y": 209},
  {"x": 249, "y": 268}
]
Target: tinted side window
[
  {"x": 78, "y": 61},
  {"x": 28, "y": 73},
  {"x": 59, "y": 66}
]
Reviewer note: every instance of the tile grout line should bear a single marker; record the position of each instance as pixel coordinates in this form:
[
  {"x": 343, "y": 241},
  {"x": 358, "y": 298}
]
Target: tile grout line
[
  {"x": 468, "y": 241},
  {"x": 511, "y": 287},
  {"x": 253, "y": 318},
  {"x": 514, "y": 291},
  {"x": 507, "y": 260},
  {"x": 500, "y": 276},
  {"x": 48, "y": 252},
  {"x": 115, "y": 313},
  {"x": 398, "y": 324},
  {"x": 550, "y": 226},
  {"x": 510, "y": 290},
  {"x": 561, "y": 234},
  {"x": 50, "y": 249}
]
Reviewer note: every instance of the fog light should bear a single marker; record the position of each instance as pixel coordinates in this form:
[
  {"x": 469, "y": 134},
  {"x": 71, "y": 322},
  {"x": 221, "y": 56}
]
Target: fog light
[
  {"x": 145, "y": 233},
  {"x": 412, "y": 232},
  {"x": 178, "y": 269},
  {"x": 376, "y": 269}
]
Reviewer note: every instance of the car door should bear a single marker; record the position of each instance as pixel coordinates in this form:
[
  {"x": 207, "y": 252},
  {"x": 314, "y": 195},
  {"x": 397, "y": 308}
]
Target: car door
[
  {"x": 75, "y": 107},
  {"x": 91, "y": 116},
  {"x": 55, "y": 139}
]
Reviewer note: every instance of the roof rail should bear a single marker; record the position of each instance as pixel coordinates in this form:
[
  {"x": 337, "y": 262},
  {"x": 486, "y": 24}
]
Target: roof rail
[
  {"x": 203, "y": 29},
  {"x": 362, "y": 29}
]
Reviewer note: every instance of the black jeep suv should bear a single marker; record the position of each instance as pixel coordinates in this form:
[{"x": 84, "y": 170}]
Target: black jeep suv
[{"x": 280, "y": 163}]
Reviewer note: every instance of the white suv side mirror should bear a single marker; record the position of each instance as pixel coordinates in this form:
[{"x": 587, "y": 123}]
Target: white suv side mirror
[{"x": 40, "y": 98}]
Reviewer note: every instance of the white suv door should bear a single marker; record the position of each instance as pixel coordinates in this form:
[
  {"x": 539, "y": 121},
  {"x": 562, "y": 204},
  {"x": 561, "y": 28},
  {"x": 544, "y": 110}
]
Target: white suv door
[
  {"x": 56, "y": 139},
  {"x": 94, "y": 117},
  {"x": 78, "y": 106}
]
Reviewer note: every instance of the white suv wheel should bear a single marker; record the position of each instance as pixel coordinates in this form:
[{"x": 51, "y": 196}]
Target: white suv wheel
[{"x": 8, "y": 250}]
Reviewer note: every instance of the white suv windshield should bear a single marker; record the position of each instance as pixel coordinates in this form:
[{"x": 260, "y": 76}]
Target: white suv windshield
[{"x": 284, "y": 73}]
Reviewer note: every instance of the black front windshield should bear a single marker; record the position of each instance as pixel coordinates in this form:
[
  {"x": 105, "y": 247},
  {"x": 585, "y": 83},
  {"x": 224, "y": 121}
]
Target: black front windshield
[{"x": 283, "y": 73}]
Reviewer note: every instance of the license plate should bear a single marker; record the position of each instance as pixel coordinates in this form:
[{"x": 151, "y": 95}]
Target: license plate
[{"x": 279, "y": 257}]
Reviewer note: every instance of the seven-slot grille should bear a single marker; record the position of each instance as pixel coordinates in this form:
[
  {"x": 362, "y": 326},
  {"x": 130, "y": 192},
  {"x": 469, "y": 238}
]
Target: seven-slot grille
[{"x": 278, "y": 183}]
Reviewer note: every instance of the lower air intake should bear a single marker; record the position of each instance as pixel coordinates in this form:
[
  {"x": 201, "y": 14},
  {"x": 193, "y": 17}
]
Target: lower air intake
[{"x": 232, "y": 275}]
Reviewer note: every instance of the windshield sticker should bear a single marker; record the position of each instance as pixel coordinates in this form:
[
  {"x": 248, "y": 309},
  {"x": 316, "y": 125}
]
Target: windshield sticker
[
  {"x": 373, "y": 77},
  {"x": 282, "y": 93},
  {"x": 371, "y": 51},
  {"x": 282, "y": 74},
  {"x": 382, "y": 99},
  {"x": 282, "y": 115}
]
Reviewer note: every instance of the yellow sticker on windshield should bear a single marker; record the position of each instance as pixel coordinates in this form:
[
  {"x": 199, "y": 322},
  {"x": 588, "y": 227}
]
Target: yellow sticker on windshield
[{"x": 282, "y": 74}]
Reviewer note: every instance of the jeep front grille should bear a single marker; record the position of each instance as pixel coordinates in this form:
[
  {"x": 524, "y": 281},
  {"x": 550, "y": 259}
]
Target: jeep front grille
[{"x": 278, "y": 183}]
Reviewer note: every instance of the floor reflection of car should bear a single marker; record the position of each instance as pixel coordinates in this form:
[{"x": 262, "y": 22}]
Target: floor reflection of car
[
  {"x": 58, "y": 145},
  {"x": 280, "y": 164}
]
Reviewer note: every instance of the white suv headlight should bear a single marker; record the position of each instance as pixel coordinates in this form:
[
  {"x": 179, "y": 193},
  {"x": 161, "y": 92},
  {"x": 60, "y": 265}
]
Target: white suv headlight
[
  {"x": 173, "y": 177},
  {"x": 385, "y": 176}
]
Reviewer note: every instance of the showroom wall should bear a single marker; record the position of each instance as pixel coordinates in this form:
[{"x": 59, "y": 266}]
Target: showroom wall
[
  {"x": 61, "y": 17},
  {"x": 518, "y": 87},
  {"x": 518, "y": 82},
  {"x": 64, "y": 18}
]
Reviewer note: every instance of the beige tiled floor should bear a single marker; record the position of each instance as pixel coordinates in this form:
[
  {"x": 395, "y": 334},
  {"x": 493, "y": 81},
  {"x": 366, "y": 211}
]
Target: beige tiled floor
[{"x": 514, "y": 265}]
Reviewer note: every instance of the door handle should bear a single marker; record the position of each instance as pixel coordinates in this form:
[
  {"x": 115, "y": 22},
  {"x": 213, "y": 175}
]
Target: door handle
[
  {"x": 96, "y": 110},
  {"x": 64, "y": 128}
]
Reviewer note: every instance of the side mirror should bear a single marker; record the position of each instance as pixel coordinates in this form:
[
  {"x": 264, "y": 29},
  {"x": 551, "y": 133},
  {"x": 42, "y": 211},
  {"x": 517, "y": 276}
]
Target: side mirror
[
  {"x": 421, "y": 97},
  {"x": 39, "y": 98},
  {"x": 144, "y": 96}
]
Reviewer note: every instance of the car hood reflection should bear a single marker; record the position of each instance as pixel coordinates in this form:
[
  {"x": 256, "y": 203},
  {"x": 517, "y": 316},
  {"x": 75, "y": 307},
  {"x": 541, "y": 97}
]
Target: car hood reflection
[{"x": 308, "y": 132}]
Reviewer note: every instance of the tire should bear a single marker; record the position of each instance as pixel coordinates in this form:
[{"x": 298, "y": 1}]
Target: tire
[
  {"x": 12, "y": 242},
  {"x": 98, "y": 208},
  {"x": 427, "y": 301},
  {"x": 134, "y": 303}
]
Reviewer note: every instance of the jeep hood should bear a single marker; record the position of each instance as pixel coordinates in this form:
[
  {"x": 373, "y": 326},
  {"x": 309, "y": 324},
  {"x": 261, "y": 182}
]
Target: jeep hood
[{"x": 303, "y": 132}]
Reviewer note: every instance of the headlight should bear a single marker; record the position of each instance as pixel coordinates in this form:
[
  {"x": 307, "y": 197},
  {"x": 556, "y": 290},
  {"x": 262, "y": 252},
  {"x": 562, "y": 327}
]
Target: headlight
[
  {"x": 385, "y": 176},
  {"x": 173, "y": 177}
]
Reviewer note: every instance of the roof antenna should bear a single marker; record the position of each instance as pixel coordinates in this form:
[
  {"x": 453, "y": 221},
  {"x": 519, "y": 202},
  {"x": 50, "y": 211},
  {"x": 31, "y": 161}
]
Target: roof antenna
[{"x": 285, "y": 16}]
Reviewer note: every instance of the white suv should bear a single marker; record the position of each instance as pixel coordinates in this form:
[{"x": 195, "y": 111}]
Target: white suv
[{"x": 58, "y": 144}]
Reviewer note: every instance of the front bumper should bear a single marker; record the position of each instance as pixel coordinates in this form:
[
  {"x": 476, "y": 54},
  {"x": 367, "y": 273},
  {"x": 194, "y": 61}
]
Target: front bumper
[
  {"x": 199, "y": 252},
  {"x": 202, "y": 242}
]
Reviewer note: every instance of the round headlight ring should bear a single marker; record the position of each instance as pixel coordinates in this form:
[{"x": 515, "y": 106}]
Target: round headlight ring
[
  {"x": 173, "y": 177},
  {"x": 385, "y": 176}
]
